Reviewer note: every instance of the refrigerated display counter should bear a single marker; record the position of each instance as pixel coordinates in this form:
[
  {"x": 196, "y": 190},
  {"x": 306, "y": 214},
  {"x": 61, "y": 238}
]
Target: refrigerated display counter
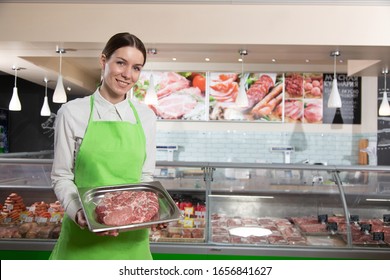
[{"x": 229, "y": 211}]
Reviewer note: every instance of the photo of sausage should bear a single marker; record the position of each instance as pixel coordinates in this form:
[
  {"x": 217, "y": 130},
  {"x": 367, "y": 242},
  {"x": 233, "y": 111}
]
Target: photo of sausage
[{"x": 268, "y": 104}]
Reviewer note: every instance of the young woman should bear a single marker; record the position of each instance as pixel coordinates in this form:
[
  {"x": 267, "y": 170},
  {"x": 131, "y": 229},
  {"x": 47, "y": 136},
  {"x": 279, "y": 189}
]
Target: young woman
[{"x": 101, "y": 140}]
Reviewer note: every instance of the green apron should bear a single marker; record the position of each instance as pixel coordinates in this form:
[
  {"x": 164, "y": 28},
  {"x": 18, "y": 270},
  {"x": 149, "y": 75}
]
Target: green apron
[{"x": 112, "y": 153}]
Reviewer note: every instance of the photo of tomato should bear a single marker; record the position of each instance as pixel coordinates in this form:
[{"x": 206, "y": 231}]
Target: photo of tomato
[{"x": 199, "y": 81}]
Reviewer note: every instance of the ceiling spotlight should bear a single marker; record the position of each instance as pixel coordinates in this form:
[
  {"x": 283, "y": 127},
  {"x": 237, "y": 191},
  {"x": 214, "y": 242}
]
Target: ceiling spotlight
[{"x": 152, "y": 51}]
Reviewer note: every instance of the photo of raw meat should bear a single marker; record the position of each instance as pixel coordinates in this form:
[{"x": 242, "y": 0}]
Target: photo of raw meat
[
  {"x": 224, "y": 87},
  {"x": 313, "y": 85},
  {"x": 264, "y": 92},
  {"x": 293, "y": 110},
  {"x": 313, "y": 111},
  {"x": 180, "y": 95},
  {"x": 293, "y": 85}
]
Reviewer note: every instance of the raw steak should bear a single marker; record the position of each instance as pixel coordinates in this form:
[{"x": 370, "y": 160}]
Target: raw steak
[{"x": 127, "y": 207}]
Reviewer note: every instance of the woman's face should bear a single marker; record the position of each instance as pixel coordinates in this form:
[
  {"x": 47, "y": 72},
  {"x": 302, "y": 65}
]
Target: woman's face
[{"x": 120, "y": 72}]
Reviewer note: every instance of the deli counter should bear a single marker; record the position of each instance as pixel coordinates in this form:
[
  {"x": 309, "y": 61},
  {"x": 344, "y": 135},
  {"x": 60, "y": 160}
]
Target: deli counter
[{"x": 229, "y": 211}]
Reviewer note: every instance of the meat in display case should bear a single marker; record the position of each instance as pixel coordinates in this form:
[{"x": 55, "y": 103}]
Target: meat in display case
[{"x": 230, "y": 209}]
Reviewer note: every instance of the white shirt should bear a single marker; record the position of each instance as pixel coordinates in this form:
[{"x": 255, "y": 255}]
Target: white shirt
[{"x": 70, "y": 126}]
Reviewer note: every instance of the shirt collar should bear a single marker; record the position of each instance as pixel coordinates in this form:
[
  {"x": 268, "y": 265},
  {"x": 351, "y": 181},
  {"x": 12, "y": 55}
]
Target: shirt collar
[{"x": 103, "y": 106}]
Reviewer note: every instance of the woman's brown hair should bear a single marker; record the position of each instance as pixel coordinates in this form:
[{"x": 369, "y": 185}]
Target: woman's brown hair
[{"x": 124, "y": 39}]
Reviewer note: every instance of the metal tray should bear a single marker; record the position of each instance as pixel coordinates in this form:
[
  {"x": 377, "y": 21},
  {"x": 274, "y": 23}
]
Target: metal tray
[{"x": 89, "y": 198}]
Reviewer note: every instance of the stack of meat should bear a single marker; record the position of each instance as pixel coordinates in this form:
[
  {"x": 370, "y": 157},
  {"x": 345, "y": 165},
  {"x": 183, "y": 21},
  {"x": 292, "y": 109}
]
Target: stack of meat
[
  {"x": 40, "y": 220},
  {"x": 179, "y": 232},
  {"x": 282, "y": 232},
  {"x": 12, "y": 208}
]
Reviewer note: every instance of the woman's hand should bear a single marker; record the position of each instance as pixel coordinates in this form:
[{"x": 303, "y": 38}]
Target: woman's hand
[
  {"x": 82, "y": 222},
  {"x": 80, "y": 219}
]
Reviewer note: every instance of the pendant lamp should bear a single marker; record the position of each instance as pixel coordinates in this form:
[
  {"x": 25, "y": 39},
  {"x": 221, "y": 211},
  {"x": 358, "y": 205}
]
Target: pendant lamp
[
  {"x": 45, "y": 111},
  {"x": 14, "y": 104},
  {"x": 242, "y": 98},
  {"x": 59, "y": 95},
  {"x": 334, "y": 98},
  {"x": 384, "y": 109},
  {"x": 151, "y": 95}
]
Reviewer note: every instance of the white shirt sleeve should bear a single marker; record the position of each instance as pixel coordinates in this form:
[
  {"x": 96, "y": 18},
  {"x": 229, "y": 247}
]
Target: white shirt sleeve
[{"x": 70, "y": 126}]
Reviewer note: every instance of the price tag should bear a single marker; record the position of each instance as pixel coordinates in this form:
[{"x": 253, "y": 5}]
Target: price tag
[
  {"x": 9, "y": 207},
  {"x": 29, "y": 219},
  {"x": 331, "y": 226},
  {"x": 188, "y": 223},
  {"x": 323, "y": 218},
  {"x": 354, "y": 218},
  {"x": 378, "y": 236},
  {"x": 188, "y": 211},
  {"x": 41, "y": 220},
  {"x": 386, "y": 218},
  {"x": 365, "y": 227},
  {"x": 197, "y": 223}
]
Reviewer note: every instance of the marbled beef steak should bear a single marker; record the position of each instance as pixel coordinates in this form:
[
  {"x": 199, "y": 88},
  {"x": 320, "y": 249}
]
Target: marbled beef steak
[{"x": 127, "y": 207}]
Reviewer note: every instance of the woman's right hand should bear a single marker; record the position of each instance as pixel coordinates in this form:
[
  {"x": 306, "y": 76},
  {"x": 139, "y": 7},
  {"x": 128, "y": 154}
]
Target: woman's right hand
[{"x": 82, "y": 222}]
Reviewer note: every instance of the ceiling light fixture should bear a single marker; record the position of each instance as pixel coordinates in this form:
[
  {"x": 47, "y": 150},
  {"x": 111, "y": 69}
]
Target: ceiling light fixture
[
  {"x": 334, "y": 100},
  {"x": 59, "y": 95},
  {"x": 45, "y": 111},
  {"x": 384, "y": 109},
  {"x": 14, "y": 104},
  {"x": 242, "y": 98},
  {"x": 151, "y": 95}
]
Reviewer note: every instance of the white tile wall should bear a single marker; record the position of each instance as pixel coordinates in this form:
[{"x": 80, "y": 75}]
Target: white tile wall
[{"x": 251, "y": 146}]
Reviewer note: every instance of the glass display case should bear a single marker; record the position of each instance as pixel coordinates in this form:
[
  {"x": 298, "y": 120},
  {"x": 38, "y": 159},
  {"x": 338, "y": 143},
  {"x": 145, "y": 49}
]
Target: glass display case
[{"x": 228, "y": 209}]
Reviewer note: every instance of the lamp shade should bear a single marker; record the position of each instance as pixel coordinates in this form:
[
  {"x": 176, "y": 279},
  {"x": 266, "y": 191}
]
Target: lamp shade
[
  {"x": 14, "y": 104},
  {"x": 151, "y": 95},
  {"x": 334, "y": 100},
  {"x": 242, "y": 98},
  {"x": 59, "y": 95},
  {"x": 45, "y": 111},
  {"x": 384, "y": 109}
]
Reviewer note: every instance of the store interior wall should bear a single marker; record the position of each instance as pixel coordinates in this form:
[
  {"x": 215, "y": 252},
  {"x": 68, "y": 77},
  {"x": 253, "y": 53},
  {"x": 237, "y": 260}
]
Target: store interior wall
[{"x": 191, "y": 24}]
